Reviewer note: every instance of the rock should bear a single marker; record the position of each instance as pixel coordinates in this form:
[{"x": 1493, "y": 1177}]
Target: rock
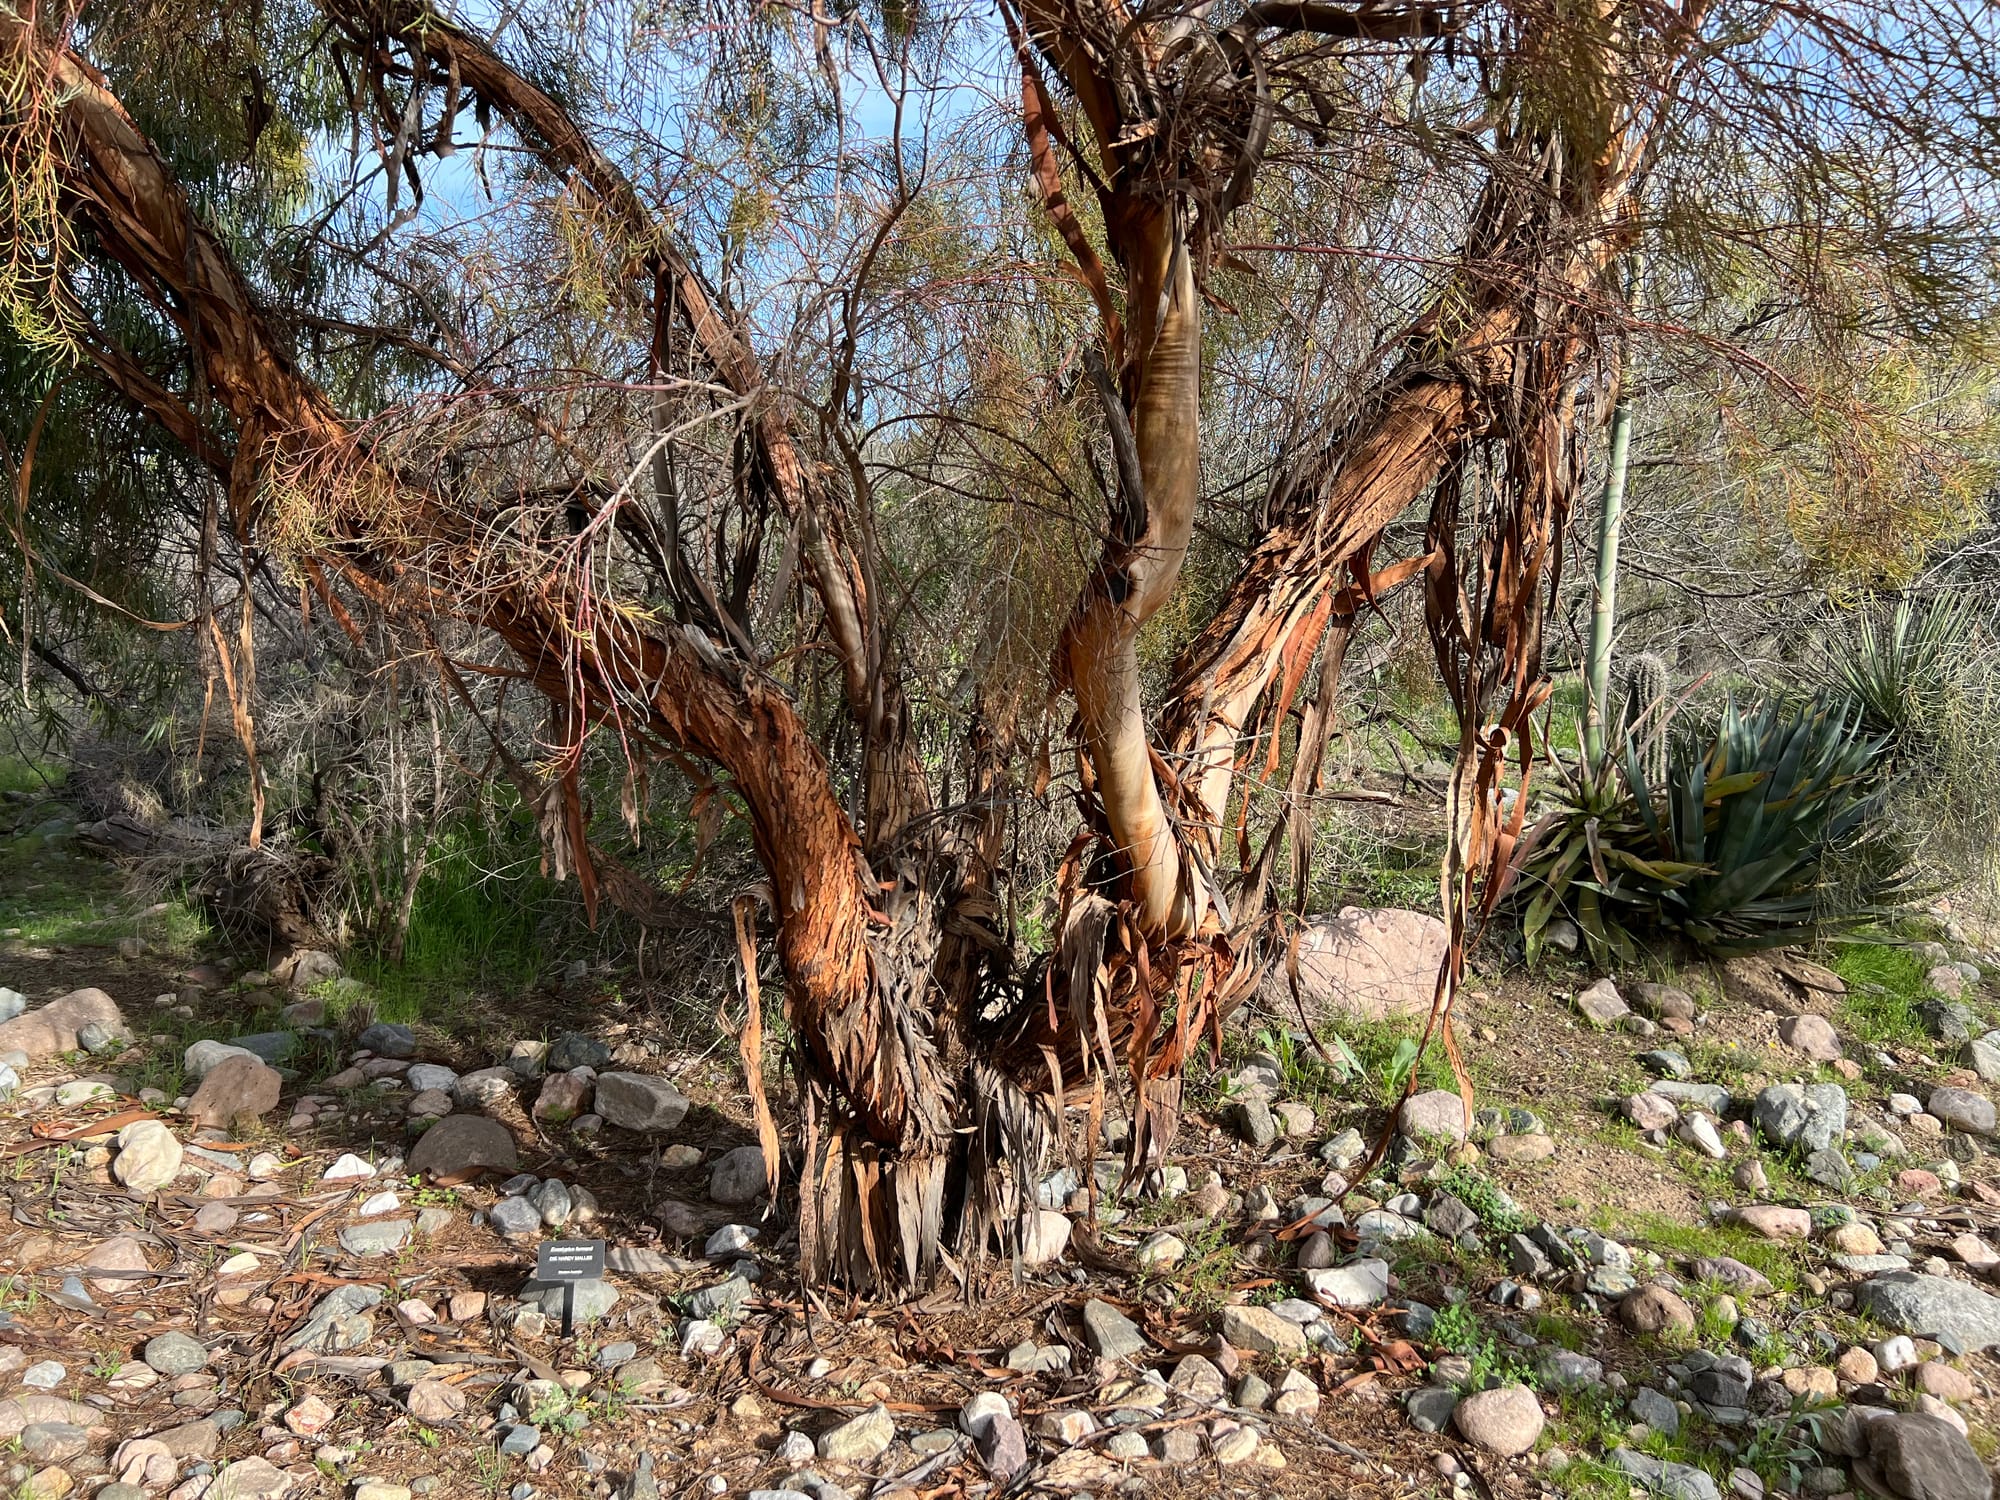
[
  {"x": 1110, "y": 1334},
  {"x": 377, "y": 1237},
  {"x": 520, "y": 1440},
  {"x": 1983, "y": 1057},
  {"x": 564, "y": 1096},
  {"x": 1506, "y": 1420},
  {"x": 1252, "y": 1120},
  {"x": 515, "y": 1219},
  {"x": 249, "y": 1479},
  {"x": 238, "y": 1086},
  {"x": 1656, "y": 1411},
  {"x": 119, "y": 1253},
  {"x": 1655, "y": 1310},
  {"x": 431, "y": 1104},
  {"x": 1729, "y": 1272},
  {"x": 44, "y": 1375},
  {"x": 1773, "y": 1221},
  {"x": 1518, "y": 1150},
  {"x": 859, "y": 1440},
  {"x": 347, "y": 1167},
  {"x": 175, "y": 1354},
  {"x": 485, "y": 1088},
  {"x": 1371, "y": 964},
  {"x": 1814, "y": 1383},
  {"x": 594, "y": 1299},
  {"x": 54, "y": 1442},
  {"x": 1044, "y": 1236},
  {"x": 1161, "y": 1252},
  {"x": 1361, "y": 1283},
  {"x": 1854, "y": 1239},
  {"x": 44, "y": 1033},
  {"x": 1930, "y": 1306},
  {"x": 461, "y": 1144},
  {"x": 576, "y": 1049},
  {"x": 21, "y": 1412},
  {"x": 1663, "y": 1002},
  {"x": 388, "y": 1039},
  {"x": 339, "y": 1322},
  {"x": 1810, "y": 1035},
  {"x": 269, "y": 1046},
  {"x": 1649, "y": 1111},
  {"x": 149, "y": 1157},
  {"x": 1712, "y": 1097},
  {"x": 1601, "y": 1004},
  {"x": 1666, "y": 1062},
  {"x": 434, "y": 1401},
  {"x": 1299, "y": 1120},
  {"x": 1262, "y": 1331},
  {"x": 1436, "y": 1113},
  {"x": 1810, "y": 1117},
  {"x": 1935, "y": 1378},
  {"x": 1926, "y": 1458},
  {"x": 1670, "y": 1480},
  {"x": 641, "y": 1101},
  {"x": 1198, "y": 1379},
  {"x": 1003, "y": 1447},
  {"x": 1945, "y": 1018},
  {"x": 1699, "y": 1132},
  {"x": 737, "y": 1176},
  {"x": 1962, "y": 1109}
]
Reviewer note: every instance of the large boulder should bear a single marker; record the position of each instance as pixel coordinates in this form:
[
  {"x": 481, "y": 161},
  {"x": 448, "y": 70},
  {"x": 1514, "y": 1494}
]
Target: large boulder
[
  {"x": 52, "y": 1029},
  {"x": 459, "y": 1144},
  {"x": 237, "y": 1086},
  {"x": 1930, "y": 1305},
  {"x": 1370, "y": 963}
]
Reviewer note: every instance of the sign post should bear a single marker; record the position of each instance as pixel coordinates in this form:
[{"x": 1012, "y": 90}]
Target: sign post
[{"x": 568, "y": 1262}]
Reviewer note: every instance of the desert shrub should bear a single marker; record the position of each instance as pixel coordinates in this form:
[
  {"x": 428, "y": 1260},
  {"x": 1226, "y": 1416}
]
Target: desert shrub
[{"x": 1925, "y": 675}]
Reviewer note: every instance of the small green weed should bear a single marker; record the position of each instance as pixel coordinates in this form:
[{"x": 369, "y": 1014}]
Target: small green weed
[{"x": 1885, "y": 987}]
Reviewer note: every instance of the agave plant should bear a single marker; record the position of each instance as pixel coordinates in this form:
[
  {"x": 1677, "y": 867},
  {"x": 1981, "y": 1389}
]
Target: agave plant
[{"x": 1730, "y": 853}]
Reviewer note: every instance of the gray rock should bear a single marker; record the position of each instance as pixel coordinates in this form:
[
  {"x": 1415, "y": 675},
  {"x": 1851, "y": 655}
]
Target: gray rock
[
  {"x": 1656, "y": 1411},
  {"x": 52, "y": 1029},
  {"x": 1946, "y": 1020},
  {"x": 1812, "y": 1117},
  {"x": 722, "y": 1303},
  {"x": 1197, "y": 1378},
  {"x": 423, "y": 1077},
  {"x": 515, "y": 1218},
  {"x": 640, "y": 1101},
  {"x": 520, "y": 1440},
  {"x": 1712, "y": 1097},
  {"x": 375, "y": 1237},
  {"x": 1667, "y": 1062},
  {"x": 1566, "y": 1370},
  {"x": 1601, "y": 1004},
  {"x": 1262, "y": 1330},
  {"x": 250, "y": 1479},
  {"x": 339, "y": 1322},
  {"x": 1375, "y": 964},
  {"x": 388, "y": 1039},
  {"x": 52, "y": 1443},
  {"x": 1927, "y": 1458},
  {"x": 737, "y": 1176},
  {"x": 1110, "y": 1334},
  {"x": 552, "y": 1201},
  {"x": 270, "y": 1046},
  {"x": 594, "y": 1299},
  {"x": 1429, "y": 1407},
  {"x": 1252, "y": 1120},
  {"x": 485, "y": 1088},
  {"x": 175, "y": 1354},
  {"x": 1672, "y": 1481},
  {"x": 576, "y": 1049},
  {"x": 1962, "y": 1109},
  {"x": 1933, "y": 1306}
]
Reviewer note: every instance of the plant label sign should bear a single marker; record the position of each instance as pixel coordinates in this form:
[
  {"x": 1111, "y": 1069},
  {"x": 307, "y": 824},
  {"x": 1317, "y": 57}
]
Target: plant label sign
[{"x": 569, "y": 1260}]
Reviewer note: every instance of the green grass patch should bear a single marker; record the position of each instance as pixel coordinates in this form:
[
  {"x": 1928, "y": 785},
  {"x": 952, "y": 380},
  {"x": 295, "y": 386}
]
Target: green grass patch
[
  {"x": 1678, "y": 1239},
  {"x": 480, "y": 919},
  {"x": 1885, "y": 986}
]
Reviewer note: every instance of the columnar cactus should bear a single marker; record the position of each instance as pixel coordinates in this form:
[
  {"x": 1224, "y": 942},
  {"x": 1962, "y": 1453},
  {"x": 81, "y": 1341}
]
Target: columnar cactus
[{"x": 1646, "y": 713}]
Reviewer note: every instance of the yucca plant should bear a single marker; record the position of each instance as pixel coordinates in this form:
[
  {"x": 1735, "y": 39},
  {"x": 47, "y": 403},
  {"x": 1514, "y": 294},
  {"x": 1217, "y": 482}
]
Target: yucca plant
[
  {"x": 1728, "y": 854},
  {"x": 1898, "y": 672}
]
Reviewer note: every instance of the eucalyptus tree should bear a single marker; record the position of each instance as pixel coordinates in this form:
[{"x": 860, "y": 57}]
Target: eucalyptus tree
[{"x": 772, "y": 392}]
